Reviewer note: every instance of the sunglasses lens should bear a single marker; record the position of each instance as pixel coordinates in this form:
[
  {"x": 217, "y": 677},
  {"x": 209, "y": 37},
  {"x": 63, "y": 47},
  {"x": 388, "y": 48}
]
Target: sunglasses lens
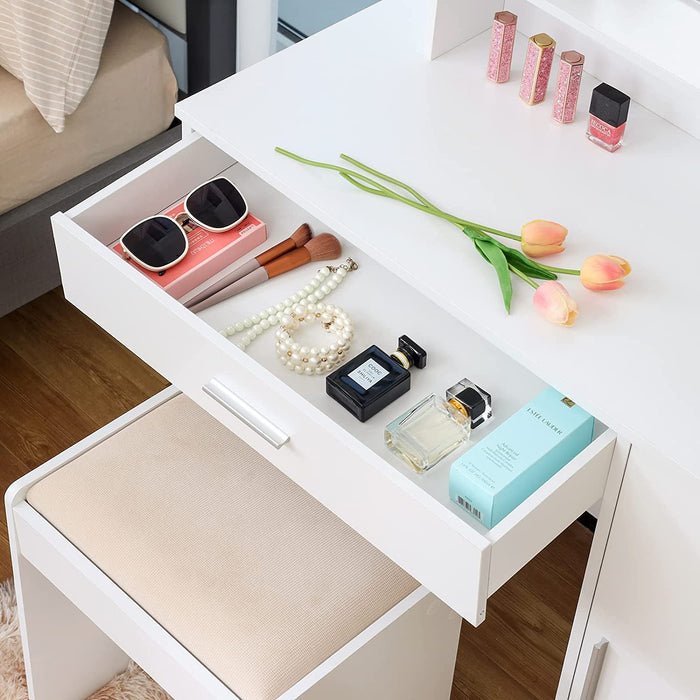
[
  {"x": 157, "y": 242},
  {"x": 217, "y": 204}
]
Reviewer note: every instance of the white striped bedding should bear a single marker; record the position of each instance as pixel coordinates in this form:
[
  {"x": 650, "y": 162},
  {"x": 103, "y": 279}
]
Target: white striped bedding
[{"x": 54, "y": 47}]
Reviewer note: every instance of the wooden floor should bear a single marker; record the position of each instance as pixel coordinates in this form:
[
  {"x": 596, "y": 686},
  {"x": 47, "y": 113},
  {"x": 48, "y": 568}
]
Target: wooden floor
[{"x": 62, "y": 377}]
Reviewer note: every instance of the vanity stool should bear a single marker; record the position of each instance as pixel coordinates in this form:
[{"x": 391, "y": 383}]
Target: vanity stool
[{"x": 164, "y": 538}]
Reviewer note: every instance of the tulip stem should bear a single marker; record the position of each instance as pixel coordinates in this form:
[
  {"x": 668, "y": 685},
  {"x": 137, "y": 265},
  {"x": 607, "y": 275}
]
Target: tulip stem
[
  {"x": 472, "y": 224},
  {"x": 422, "y": 203},
  {"x": 378, "y": 187},
  {"x": 424, "y": 200},
  {"x": 561, "y": 270},
  {"x": 375, "y": 187},
  {"x": 512, "y": 236},
  {"x": 523, "y": 276},
  {"x": 392, "y": 180}
]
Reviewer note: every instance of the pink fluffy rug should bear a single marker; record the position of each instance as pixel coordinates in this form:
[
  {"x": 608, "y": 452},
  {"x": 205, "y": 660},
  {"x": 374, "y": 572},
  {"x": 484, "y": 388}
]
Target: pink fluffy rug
[{"x": 132, "y": 684}]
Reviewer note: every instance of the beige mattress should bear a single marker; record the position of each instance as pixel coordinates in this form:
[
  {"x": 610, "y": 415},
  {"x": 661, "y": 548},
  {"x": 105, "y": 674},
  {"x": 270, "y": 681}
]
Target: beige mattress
[{"x": 131, "y": 100}]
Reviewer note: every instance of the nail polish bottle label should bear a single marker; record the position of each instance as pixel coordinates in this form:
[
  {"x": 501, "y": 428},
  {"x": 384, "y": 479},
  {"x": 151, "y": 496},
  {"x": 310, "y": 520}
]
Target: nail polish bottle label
[{"x": 610, "y": 135}]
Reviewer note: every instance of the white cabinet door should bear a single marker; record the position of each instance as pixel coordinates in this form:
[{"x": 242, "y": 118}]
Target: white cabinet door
[{"x": 647, "y": 601}]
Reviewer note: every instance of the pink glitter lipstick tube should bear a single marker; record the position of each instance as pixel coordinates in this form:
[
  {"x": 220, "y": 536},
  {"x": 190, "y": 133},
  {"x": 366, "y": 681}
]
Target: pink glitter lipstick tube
[
  {"x": 568, "y": 84},
  {"x": 538, "y": 64},
  {"x": 501, "y": 52}
]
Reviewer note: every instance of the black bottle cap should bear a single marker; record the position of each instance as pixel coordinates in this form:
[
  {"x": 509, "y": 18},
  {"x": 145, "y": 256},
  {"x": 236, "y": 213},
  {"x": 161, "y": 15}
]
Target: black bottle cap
[
  {"x": 414, "y": 353},
  {"x": 473, "y": 401},
  {"x": 476, "y": 404},
  {"x": 609, "y": 105}
]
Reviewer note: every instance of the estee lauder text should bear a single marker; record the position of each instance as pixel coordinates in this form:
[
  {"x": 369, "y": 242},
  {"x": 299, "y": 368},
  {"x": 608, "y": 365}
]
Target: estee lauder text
[{"x": 546, "y": 421}]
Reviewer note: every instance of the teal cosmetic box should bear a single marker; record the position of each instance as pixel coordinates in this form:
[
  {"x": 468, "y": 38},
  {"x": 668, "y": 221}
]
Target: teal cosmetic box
[{"x": 500, "y": 471}]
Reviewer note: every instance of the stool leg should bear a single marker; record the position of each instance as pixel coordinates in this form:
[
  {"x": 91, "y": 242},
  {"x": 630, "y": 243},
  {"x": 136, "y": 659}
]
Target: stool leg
[{"x": 66, "y": 656}]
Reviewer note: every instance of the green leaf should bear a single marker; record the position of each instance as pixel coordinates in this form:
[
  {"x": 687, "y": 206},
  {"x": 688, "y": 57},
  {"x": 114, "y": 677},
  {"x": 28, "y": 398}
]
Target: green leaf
[
  {"x": 497, "y": 258},
  {"x": 475, "y": 234},
  {"x": 481, "y": 252},
  {"x": 524, "y": 264},
  {"x": 513, "y": 256}
]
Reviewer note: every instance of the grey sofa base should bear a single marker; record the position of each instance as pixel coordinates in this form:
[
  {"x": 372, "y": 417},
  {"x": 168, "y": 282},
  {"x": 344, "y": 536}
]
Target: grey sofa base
[{"x": 28, "y": 264}]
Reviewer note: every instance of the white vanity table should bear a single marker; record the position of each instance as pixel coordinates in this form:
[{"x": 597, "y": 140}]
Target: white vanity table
[{"x": 364, "y": 87}]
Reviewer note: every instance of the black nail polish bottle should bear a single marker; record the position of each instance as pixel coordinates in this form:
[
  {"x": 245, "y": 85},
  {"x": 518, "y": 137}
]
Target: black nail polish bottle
[{"x": 373, "y": 379}]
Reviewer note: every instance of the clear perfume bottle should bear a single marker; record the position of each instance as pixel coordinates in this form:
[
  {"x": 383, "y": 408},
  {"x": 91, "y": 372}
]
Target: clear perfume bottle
[{"x": 433, "y": 428}]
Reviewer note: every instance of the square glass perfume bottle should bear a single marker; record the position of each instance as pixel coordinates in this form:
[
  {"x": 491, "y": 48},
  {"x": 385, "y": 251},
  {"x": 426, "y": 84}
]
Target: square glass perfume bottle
[
  {"x": 433, "y": 428},
  {"x": 372, "y": 380}
]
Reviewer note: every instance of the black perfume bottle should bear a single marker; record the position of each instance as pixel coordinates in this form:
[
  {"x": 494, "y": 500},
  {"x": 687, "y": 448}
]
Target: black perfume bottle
[{"x": 373, "y": 379}]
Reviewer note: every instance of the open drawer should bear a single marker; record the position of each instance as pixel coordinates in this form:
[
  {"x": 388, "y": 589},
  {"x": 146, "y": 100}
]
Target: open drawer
[{"x": 340, "y": 461}]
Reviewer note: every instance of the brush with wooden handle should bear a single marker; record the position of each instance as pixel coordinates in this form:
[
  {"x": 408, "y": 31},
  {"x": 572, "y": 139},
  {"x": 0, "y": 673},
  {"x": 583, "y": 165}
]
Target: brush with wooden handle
[
  {"x": 298, "y": 239},
  {"x": 324, "y": 247}
]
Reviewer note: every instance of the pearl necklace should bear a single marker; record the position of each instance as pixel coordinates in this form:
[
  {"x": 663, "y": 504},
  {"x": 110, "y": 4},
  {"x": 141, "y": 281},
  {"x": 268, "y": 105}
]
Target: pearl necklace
[{"x": 322, "y": 284}]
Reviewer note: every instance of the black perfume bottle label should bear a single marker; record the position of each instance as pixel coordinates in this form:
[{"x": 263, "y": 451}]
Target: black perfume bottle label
[
  {"x": 368, "y": 374},
  {"x": 368, "y": 382}
]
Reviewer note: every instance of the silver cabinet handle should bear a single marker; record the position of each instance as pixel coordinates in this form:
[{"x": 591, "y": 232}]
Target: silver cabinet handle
[
  {"x": 245, "y": 412},
  {"x": 595, "y": 666}
]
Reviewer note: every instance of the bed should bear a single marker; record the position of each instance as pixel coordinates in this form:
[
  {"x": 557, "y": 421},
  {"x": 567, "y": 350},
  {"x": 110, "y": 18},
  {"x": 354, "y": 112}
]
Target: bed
[
  {"x": 123, "y": 119},
  {"x": 131, "y": 100}
]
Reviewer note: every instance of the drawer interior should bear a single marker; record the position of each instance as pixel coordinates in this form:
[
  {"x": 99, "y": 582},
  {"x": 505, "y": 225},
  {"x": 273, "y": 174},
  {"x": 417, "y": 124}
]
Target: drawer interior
[{"x": 381, "y": 305}]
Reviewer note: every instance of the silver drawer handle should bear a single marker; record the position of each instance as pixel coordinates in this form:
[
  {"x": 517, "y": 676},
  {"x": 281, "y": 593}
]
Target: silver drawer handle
[
  {"x": 245, "y": 412},
  {"x": 595, "y": 666}
]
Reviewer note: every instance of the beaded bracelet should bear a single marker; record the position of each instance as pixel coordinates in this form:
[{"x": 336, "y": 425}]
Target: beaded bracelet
[{"x": 311, "y": 360}]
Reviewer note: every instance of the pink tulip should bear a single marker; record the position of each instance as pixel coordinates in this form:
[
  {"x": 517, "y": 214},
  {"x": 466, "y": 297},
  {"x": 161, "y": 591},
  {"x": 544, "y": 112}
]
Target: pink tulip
[
  {"x": 555, "y": 303},
  {"x": 540, "y": 238},
  {"x": 601, "y": 272}
]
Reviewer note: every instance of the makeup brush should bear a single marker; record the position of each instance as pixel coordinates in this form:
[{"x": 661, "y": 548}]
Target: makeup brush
[
  {"x": 323, "y": 247},
  {"x": 299, "y": 238}
]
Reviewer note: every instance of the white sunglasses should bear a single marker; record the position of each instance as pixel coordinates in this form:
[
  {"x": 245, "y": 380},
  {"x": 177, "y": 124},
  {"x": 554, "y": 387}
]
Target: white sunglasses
[{"x": 159, "y": 242}]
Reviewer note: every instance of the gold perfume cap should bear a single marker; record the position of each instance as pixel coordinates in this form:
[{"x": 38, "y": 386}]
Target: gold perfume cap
[
  {"x": 460, "y": 407},
  {"x": 544, "y": 41}
]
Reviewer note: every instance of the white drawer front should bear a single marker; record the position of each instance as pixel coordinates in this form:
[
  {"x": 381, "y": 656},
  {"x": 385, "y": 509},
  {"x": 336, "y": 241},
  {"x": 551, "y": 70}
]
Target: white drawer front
[{"x": 289, "y": 420}]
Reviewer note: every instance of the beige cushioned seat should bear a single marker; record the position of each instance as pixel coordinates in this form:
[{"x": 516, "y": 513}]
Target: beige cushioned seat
[
  {"x": 131, "y": 100},
  {"x": 251, "y": 574}
]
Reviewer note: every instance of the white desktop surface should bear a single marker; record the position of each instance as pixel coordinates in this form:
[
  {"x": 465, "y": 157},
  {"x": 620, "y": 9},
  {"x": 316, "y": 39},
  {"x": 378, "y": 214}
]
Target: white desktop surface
[{"x": 363, "y": 87}]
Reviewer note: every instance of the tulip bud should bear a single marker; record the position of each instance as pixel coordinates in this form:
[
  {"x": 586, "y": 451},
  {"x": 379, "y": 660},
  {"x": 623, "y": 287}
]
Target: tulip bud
[
  {"x": 601, "y": 272},
  {"x": 539, "y": 238},
  {"x": 555, "y": 303}
]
